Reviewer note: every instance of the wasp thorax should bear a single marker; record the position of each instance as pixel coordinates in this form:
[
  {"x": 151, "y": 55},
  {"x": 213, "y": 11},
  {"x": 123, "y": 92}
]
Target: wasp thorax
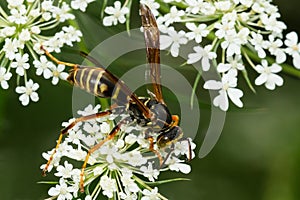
[
  {"x": 162, "y": 117},
  {"x": 169, "y": 136}
]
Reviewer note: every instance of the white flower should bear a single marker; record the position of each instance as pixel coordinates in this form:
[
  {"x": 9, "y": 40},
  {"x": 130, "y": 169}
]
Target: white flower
[
  {"x": 43, "y": 66},
  {"x": 8, "y": 31},
  {"x": 25, "y": 35},
  {"x": 223, "y": 28},
  {"x": 4, "y": 77},
  {"x": 207, "y": 8},
  {"x": 89, "y": 110},
  {"x": 15, "y": 3},
  {"x": 118, "y": 14},
  {"x": 55, "y": 160},
  {"x": 268, "y": 75},
  {"x": 197, "y": 31},
  {"x": 62, "y": 191},
  {"x": 21, "y": 63},
  {"x": 80, "y": 4},
  {"x": 135, "y": 158},
  {"x": 193, "y": 6},
  {"x": 272, "y": 24},
  {"x": 121, "y": 167},
  {"x": 127, "y": 195},
  {"x": 177, "y": 165},
  {"x": 18, "y": 15},
  {"x": 234, "y": 63},
  {"x": 274, "y": 48},
  {"x": 259, "y": 44},
  {"x": 174, "y": 16},
  {"x": 173, "y": 39},
  {"x": 293, "y": 48},
  {"x": 246, "y": 3},
  {"x": 150, "y": 195},
  {"x": 10, "y": 48},
  {"x": 71, "y": 35},
  {"x": 149, "y": 172},
  {"x": 226, "y": 89},
  {"x": 28, "y": 92},
  {"x": 25, "y": 27},
  {"x": 129, "y": 183},
  {"x": 58, "y": 73},
  {"x": 230, "y": 17},
  {"x": 204, "y": 54},
  {"x": 182, "y": 148},
  {"x": 109, "y": 186},
  {"x": 223, "y": 5},
  {"x": 234, "y": 40},
  {"x": 64, "y": 171}
]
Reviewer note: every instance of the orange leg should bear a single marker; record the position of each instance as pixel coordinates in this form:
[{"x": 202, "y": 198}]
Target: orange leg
[
  {"x": 111, "y": 135},
  {"x": 56, "y": 60},
  {"x": 65, "y": 131},
  {"x": 151, "y": 148}
]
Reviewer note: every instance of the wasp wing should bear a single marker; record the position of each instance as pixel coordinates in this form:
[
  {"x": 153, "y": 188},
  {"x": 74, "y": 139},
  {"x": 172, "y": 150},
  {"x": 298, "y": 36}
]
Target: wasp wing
[{"x": 151, "y": 34}]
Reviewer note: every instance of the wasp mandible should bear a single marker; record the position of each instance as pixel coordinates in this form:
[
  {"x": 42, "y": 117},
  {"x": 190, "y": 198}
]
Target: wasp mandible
[{"x": 149, "y": 112}]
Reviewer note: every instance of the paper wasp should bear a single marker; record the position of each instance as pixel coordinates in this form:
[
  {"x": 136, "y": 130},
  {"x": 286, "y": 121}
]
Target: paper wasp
[{"x": 151, "y": 113}]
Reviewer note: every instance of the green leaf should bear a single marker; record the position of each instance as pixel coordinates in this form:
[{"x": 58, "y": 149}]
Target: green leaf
[
  {"x": 166, "y": 181},
  {"x": 48, "y": 182}
]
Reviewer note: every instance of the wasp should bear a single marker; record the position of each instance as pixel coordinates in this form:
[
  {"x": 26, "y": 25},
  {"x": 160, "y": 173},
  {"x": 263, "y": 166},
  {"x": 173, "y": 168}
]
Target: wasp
[{"x": 149, "y": 112}]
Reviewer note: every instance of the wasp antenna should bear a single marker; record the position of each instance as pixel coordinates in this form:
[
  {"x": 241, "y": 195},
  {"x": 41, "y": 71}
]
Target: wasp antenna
[
  {"x": 91, "y": 59},
  {"x": 56, "y": 60}
]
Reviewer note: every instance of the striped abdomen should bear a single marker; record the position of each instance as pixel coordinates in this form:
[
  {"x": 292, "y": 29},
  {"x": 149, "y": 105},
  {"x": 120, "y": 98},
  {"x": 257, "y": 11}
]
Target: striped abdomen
[{"x": 100, "y": 83}]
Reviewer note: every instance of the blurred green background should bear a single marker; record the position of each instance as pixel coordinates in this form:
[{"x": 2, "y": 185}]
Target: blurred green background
[{"x": 257, "y": 156}]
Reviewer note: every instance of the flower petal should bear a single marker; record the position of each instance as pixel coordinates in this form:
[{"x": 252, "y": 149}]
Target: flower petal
[
  {"x": 165, "y": 41},
  {"x": 296, "y": 61},
  {"x": 261, "y": 79},
  {"x": 212, "y": 85},
  {"x": 235, "y": 95},
  {"x": 221, "y": 100}
]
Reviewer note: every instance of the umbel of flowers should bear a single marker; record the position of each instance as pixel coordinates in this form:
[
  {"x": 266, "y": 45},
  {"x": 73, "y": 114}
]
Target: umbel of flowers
[
  {"x": 231, "y": 37},
  {"x": 122, "y": 168},
  {"x": 24, "y": 26}
]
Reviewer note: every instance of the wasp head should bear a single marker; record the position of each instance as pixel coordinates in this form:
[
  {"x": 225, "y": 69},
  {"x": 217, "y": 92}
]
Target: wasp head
[{"x": 169, "y": 136}]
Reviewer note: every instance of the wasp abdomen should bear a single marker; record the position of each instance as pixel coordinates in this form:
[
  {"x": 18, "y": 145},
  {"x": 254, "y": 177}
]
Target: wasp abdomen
[{"x": 98, "y": 82}]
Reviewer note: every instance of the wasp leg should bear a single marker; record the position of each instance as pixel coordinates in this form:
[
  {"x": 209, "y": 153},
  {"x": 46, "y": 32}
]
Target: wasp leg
[
  {"x": 66, "y": 129},
  {"x": 151, "y": 147},
  {"x": 110, "y": 136},
  {"x": 172, "y": 148},
  {"x": 56, "y": 60}
]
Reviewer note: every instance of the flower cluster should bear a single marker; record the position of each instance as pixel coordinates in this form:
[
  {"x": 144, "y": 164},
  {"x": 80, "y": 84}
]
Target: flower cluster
[
  {"x": 121, "y": 167},
  {"x": 233, "y": 36},
  {"x": 25, "y": 26}
]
